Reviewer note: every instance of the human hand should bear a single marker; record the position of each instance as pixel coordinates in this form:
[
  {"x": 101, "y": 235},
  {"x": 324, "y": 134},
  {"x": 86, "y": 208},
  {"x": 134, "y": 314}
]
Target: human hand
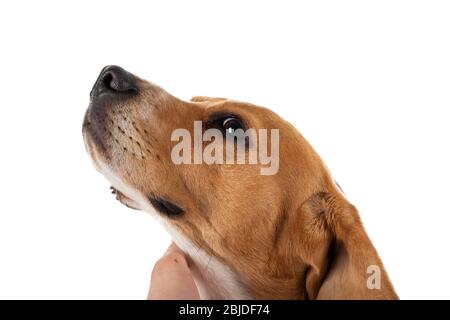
[{"x": 171, "y": 277}]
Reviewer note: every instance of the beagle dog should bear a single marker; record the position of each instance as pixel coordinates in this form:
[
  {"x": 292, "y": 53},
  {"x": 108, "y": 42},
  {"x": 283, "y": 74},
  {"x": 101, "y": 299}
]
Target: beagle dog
[{"x": 288, "y": 235}]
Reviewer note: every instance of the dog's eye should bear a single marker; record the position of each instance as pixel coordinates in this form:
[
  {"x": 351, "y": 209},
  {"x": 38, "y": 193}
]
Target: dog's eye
[
  {"x": 226, "y": 123},
  {"x": 231, "y": 124},
  {"x": 166, "y": 207}
]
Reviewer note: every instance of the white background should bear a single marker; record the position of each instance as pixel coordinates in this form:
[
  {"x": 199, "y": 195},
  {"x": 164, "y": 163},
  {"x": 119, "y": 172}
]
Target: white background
[{"x": 366, "y": 82}]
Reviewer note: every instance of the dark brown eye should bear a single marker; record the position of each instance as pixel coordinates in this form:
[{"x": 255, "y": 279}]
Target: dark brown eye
[
  {"x": 225, "y": 122},
  {"x": 231, "y": 124}
]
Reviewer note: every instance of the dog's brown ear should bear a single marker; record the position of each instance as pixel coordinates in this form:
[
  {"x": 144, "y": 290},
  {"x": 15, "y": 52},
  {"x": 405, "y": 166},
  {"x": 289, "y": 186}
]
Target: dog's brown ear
[
  {"x": 341, "y": 262},
  {"x": 204, "y": 99}
]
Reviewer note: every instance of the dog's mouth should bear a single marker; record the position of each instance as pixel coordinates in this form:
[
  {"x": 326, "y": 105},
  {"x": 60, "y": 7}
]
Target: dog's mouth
[
  {"x": 130, "y": 203},
  {"x": 163, "y": 206}
]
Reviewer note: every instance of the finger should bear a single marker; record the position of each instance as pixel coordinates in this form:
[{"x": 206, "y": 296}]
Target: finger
[{"x": 171, "y": 278}]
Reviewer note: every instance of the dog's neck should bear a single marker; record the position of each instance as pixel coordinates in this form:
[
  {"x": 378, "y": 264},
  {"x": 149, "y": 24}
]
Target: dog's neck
[{"x": 214, "y": 279}]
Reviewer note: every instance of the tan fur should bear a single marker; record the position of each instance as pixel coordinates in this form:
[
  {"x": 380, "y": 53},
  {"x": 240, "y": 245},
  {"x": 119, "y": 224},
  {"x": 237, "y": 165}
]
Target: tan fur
[{"x": 292, "y": 235}]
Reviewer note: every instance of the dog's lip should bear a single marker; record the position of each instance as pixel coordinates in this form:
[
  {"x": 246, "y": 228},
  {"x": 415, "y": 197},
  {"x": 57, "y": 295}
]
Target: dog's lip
[
  {"x": 121, "y": 197},
  {"x": 93, "y": 142}
]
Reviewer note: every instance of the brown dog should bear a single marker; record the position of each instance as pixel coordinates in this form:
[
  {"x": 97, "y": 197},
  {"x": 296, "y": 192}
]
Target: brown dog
[{"x": 290, "y": 235}]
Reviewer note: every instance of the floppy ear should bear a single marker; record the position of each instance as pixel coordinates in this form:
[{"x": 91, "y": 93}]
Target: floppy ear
[
  {"x": 204, "y": 99},
  {"x": 341, "y": 262}
]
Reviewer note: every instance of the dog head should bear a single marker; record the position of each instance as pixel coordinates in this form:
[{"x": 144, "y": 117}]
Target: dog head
[{"x": 288, "y": 234}]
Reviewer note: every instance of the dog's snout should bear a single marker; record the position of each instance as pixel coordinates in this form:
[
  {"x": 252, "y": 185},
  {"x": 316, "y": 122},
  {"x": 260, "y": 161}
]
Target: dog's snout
[{"x": 115, "y": 80}]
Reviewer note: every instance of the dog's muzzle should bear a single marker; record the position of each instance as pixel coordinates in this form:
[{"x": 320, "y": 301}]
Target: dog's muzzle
[{"x": 113, "y": 86}]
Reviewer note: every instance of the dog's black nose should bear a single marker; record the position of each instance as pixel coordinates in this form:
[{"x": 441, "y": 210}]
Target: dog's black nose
[{"x": 115, "y": 80}]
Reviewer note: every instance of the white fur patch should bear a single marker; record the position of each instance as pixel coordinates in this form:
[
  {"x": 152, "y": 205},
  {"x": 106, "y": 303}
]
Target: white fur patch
[{"x": 214, "y": 279}]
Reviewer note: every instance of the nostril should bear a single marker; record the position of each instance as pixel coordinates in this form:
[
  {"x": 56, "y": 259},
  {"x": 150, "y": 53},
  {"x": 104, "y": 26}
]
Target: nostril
[
  {"x": 117, "y": 80},
  {"x": 107, "y": 81}
]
